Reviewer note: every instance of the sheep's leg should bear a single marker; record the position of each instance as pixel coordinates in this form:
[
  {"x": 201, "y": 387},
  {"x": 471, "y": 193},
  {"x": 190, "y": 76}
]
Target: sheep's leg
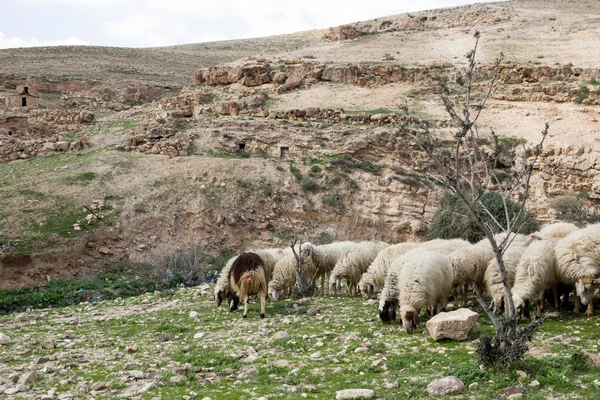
[
  {"x": 555, "y": 294},
  {"x": 577, "y": 309},
  {"x": 322, "y": 285},
  {"x": 245, "y": 306},
  {"x": 590, "y": 309},
  {"x": 465, "y": 289},
  {"x": 541, "y": 304},
  {"x": 263, "y": 301}
]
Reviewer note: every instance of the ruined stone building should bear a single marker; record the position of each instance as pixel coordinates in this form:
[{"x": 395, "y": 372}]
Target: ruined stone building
[{"x": 23, "y": 99}]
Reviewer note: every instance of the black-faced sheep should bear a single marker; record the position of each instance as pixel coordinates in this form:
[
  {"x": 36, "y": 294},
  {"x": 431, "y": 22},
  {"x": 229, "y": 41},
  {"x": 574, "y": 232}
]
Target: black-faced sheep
[
  {"x": 353, "y": 265},
  {"x": 247, "y": 278},
  {"x": 325, "y": 257},
  {"x": 425, "y": 280}
]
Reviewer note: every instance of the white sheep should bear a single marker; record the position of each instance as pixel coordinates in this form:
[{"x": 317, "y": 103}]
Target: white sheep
[
  {"x": 325, "y": 257},
  {"x": 578, "y": 259},
  {"x": 284, "y": 276},
  {"x": 536, "y": 273},
  {"x": 468, "y": 266},
  {"x": 493, "y": 278},
  {"x": 375, "y": 275},
  {"x": 388, "y": 300},
  {"x": 269, "y": 257},
  {"x": 353, "y": 265},
  {"x": 558, "y": 230},
  {"x": 425, "y": 280}
]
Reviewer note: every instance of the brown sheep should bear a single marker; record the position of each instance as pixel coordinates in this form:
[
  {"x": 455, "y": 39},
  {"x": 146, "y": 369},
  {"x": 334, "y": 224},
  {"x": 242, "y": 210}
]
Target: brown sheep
[{"x": 246, "y": 278}]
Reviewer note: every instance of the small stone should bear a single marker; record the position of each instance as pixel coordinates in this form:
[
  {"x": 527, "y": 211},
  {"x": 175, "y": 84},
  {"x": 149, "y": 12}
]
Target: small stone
[
  {"x": 473, "y": 385},
  {"x": 390, "y": 385},
  {"x": 194, "y": 314},
  {"x": 452, "y": 325},
  {"x": 314, "y": 310},
  {"x": 522, "y": 374},
  {"x": 131, "y": 349},
  {"x": 199, "y": 335},
  {"x": 511, "y": 390},
  {"x": 4, "y": 339},
  {"x": 137, "y": 374},
  {"x": 148, "y": 386},
  {"x": 515, "y": 396},
  {"x": 21, "y": 317},
  {"x": 11, "y": 391},
  {"x": 535, "y": 383},
  {"x": 98, "y": 386},
  {"x": 177, "y": 379},
  {"x": 379, "y": 364},
  {"x": 355, "y": 394},
  {"x": 28, "y": 377},
  {"x": 103, "y": 250},
  {"x": 361, "y": 350},
  {"x": 281, "y": 363},
  {"x": 446, "y": 386},
  {"x": 592, "y": 359},
  {"x": 597, "y": 383},
  {"x": 281, "y": 335}
]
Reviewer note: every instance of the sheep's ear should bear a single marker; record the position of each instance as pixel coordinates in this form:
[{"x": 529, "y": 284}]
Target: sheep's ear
[{"x": 415, "y": 318}]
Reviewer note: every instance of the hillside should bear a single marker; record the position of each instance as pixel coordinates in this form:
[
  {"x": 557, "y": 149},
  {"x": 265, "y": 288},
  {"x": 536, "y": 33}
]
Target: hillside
[{"x": 193, "y": 143}]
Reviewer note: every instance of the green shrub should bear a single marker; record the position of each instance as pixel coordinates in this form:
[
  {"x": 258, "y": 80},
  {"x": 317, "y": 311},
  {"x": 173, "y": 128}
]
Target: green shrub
[
  {"x": 334, "y": 200},
  {"x": 316, "y": 169},
  {"x": 573, "y": 209},
  {"x": 309, "y": 185},
  {"x": 296, "y": 172},
  {"x": 582, "y": 94},
  {"x": 453, "y": 220}
]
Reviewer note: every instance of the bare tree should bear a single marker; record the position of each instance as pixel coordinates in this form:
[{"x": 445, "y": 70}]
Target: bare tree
[{"x": 469, "y": 168}]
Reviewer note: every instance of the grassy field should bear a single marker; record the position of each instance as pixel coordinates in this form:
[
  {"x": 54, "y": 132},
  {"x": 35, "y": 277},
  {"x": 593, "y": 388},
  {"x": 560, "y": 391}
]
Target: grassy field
[{"x": 150, "y": 346}]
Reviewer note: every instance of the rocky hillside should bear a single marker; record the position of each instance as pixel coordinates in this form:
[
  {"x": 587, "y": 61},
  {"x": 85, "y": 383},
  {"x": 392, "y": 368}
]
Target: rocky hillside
[{"x": 133, "y": 152}]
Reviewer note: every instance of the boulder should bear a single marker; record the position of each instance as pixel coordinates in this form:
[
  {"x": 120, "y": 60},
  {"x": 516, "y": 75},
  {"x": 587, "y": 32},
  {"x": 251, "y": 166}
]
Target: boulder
[
  {"x": 355, "y": 394},
  {"x": 452, "y": 325},
  {"x": 229, "y": 108},
  {"x": 344, "y": 32},
  {"x": 292, "y": 82},
  {"x": 592, "y": 359},
  {"x": 4, "y": 339},
  {"x": 62, "y": 146},
  {"x": 255, "y": 74},
  {"x": 279, "y": 77},
  {"x": 446, "y": 386}
]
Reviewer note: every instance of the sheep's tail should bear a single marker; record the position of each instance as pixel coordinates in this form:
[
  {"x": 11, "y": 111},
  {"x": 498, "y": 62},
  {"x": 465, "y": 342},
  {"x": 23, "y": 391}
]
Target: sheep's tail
[{"x": 252, "y": 282}]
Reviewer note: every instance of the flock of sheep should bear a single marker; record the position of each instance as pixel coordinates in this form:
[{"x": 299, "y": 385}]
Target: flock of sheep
[{"x": 416, "y": 276}]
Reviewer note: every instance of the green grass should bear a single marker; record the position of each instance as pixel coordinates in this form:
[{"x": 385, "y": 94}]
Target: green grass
[{"x": 317, "y": 359}]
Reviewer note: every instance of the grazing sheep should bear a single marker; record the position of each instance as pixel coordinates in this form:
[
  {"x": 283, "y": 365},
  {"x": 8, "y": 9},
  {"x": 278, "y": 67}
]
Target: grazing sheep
[
  {"x": 425, "y": 280},
  {"x": 468, "y": 266},
  {"x": 247, "y": 278},
  {"x": 493, "y": 279},
  {"x": 388, "y": 300},
  {"x": 353, "y": 265},
  {"x": 578, "y": 259},
  {"x": 325, "y": 257},
  {"x": 222, "y": 282},
  {"x": 284, "y": 276},
  {"x": 536, "y": 273},
  {"x": 556, "y": 231},
  {"x": 269, "y": 257},
  {"x": 377, "y": 271}
]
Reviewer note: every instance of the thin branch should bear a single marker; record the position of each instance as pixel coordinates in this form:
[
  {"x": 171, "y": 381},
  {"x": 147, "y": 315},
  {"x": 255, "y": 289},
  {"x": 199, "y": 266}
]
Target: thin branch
[{"x": 487, "y": 310}]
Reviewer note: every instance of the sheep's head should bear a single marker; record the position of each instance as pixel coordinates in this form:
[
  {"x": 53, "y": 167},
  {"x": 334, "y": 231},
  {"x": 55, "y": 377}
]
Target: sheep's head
[
  {"x": 410, "y": 318},
  {"x": 521, "y": 306},
  {"x": 307, "y": 250},
  {"x": 233, "y": 301},
  {"x": 585, "y": 291},
  {"x": 387, "y": 312},
  {"x": 273, "y": 293},
  {"x": 220, "y": 295},
  {"x": 366, "y": 290},
  {"x": 332, "y": 287}
]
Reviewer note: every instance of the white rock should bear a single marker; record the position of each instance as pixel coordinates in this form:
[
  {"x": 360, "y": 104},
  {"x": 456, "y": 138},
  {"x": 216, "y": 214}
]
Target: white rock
[
  {"x": 199, "y": 335},
  {"x": 446, "y": 386},
  {"x": 473, "y": 385},
  {"x": 137, "y": 374},
  {"x": 4, "y": 339},
  {"x": 452, "y": 325},
  {"x": 194, "y": 314},
  {"x": 281, "y": 335},
  {"x": 12, "y": 390},
  {"x": 355, "y": 394},
  {"x": 21, "y": 317},
  {"x": 535, "y": 383}
]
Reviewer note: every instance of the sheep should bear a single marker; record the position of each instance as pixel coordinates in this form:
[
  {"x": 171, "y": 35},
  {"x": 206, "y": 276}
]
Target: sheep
[
  {"x": 536, "y": 273},
  {"x": 578, "y": 259},
  {"x": 353, "y": 265},
  {"x": 284, "y": 276},
  {"x": 269, "y": 257},
  {"x": 377, "y": 271},
  {"x": 492, "y": 276},
  {"x": 558, "y": 230},
  {"x": 425, "y": 280},
  {"x": 325, "y": 257},
  {"x": 468, "y": 266},
  {"x": 388, "y": 300},
  {"x": 247, "y": 277}
]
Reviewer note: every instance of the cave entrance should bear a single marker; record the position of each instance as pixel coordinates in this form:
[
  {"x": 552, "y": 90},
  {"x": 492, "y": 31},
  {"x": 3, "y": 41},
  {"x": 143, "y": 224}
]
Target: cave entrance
[
  {"x": 24, "y": 101},
  {"x": 285, "y": 151}
]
